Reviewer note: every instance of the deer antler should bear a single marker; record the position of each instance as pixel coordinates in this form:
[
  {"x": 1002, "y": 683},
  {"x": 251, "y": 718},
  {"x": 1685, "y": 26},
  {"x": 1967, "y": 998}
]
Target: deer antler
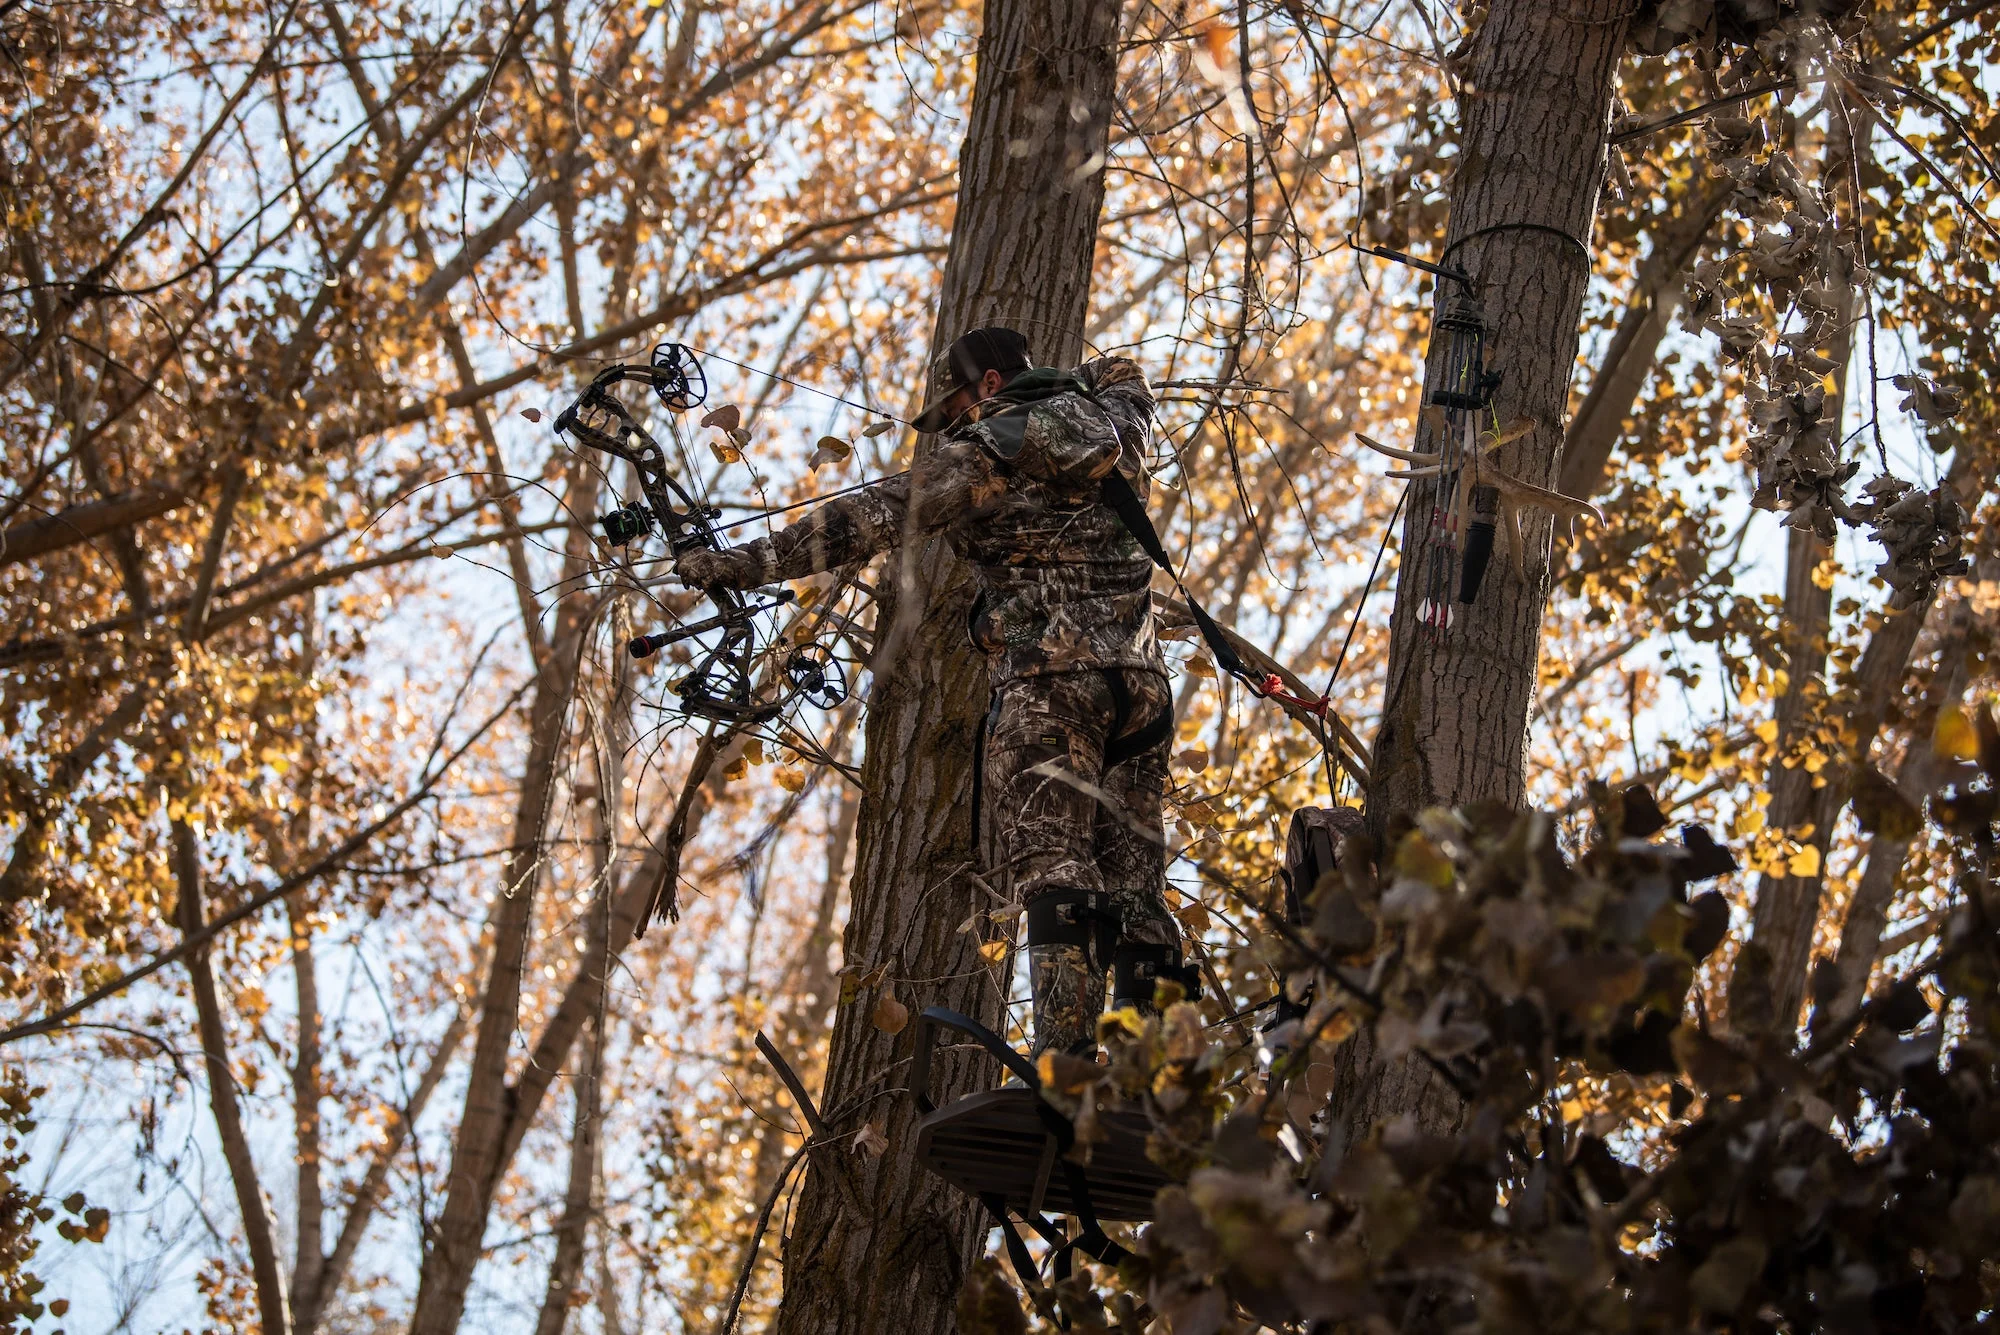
[{"x": 1513, "y": 493}]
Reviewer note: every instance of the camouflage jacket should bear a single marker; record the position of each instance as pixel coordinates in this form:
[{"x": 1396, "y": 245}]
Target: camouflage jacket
[{"x": 1064, "y": 586}]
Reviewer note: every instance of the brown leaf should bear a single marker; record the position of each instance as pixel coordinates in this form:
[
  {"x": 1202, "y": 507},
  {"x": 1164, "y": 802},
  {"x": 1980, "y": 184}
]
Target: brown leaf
[
  {"x": 987, "y": 1303},
  {"x": 874, "y": 429},
  {"x": 889, "y": 1015},
  {"x": 727, "y": 416},
  {"x": 1720, "y": 1282},
  {"x": 870, "y": 1141},
  {"x": 532, "y": 414}
]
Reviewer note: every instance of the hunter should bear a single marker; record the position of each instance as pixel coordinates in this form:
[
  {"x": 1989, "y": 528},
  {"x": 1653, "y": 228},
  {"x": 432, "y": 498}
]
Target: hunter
[{"x": 1076, "y": 740}]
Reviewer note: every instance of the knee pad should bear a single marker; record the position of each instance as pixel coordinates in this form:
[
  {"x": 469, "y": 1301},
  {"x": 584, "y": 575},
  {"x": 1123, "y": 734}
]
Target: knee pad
[
  {"x": 1084, "y": 918},
  {"x": 1137, "y": 966}
]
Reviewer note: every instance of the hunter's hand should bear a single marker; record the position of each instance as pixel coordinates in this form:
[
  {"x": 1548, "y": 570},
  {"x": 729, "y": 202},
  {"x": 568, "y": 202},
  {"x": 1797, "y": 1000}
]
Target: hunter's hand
[{"x": 731, "y": 568}]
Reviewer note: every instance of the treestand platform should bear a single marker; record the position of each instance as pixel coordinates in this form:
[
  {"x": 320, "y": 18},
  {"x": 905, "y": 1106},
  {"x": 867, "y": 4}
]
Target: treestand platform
[
  {"x": 1007, "y": 1146},
  {"x": 997, "y": 1144}
]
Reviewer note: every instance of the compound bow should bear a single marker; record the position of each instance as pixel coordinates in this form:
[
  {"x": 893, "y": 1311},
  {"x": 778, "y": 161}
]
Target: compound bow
[{"x": 718, "y": 684}]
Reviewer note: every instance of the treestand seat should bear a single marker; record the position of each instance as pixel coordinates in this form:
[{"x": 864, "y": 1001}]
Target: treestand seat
[{"x": 998, "y": 1145}]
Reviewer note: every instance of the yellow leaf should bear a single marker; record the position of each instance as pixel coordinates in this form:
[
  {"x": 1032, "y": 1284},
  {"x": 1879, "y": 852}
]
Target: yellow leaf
[
  {"x": 753, "y": 750},
  {"x": 1767, "y": 730},
  {"x": 993, "y": 951},
  {"x": 1201, "y": 813},
  {"x": 789, "y": 779},
  {"x": 1199, "y": 666},
  {"x": 735, "y": 769},
  {"x": 834, "y": 446},
  {"x": 658, "y": 115},
  {"x": 1421, "y": 860},
  {"x": 1805, "y": 862},
  {"x": 874, "y": 429},
  {"x": 725, "y": 453},
  {"x": 624, "y": 128},
  {"x": 1954, "y": 738}
]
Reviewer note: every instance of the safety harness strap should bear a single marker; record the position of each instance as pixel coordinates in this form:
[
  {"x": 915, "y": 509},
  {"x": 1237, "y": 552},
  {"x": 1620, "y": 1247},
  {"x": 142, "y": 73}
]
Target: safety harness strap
[
  {"x": 1138, "y": 966},
  {"x": 1119, "y": 749},
  {"x": 1084, "y": 918},
  {"x": 1117, "y": 493}
]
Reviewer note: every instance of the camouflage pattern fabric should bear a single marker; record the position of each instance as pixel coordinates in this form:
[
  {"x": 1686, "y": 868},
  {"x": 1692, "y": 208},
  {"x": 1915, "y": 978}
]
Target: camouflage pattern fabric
[
  {"x": 1064, "y": 586},
  {"x": 1046, "y": 834}
]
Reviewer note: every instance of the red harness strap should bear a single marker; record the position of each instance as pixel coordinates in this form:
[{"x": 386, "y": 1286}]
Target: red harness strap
[{"x": 1273, "y": 688}]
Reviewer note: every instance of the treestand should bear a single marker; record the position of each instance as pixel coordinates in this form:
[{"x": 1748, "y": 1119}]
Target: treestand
[{"x": 1010, "y": 1149}]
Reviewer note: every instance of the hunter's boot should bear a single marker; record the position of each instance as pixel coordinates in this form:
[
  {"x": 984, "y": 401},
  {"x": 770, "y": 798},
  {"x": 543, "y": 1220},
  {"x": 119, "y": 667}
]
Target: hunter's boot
[{"x": 1070, "y": 934}]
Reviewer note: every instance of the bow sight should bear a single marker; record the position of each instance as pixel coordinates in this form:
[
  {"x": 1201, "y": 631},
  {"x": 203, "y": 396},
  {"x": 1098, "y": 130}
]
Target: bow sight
[{"x": 718, "y": 684}]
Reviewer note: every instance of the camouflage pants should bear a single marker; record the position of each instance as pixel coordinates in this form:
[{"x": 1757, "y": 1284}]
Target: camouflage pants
[{"x": 1049, "y": 832}]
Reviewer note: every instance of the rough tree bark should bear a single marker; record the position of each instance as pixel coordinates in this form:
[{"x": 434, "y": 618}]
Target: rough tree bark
[
  {"x": 1537, "y": 105},
  {"x": 880, "y": 1245},
  {"x": 1455, "y": 719}
]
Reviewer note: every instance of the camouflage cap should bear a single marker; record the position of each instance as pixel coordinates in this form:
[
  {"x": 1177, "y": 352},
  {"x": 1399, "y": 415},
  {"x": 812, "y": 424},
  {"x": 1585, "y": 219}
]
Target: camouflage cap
[{"x": 970, "y": 356}]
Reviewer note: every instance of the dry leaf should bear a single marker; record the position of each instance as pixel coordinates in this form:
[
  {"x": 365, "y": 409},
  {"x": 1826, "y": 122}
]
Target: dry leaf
[
  {"x": 739, "y": 436},
  {"x": 1195, "y": 757},
  {"x": 870, "y": 1141},
  {"x": 753, "y": 750},
  {"x": 735, "y": 769},
  {"x": 789, "y": 779},
  {"x": 725, "y": 453},
  {"x": 726, "y": 415},
  {"x": 831, "y": 449},
  {"x": 993, "y": 951},
  {"x": 532, "y": 414},
  {"x": 874, "y": 429},
  {"x": 889, "y": 1015},
  {"x": 1199, "y": 666},
  {"x": 1954, "y": 738}
]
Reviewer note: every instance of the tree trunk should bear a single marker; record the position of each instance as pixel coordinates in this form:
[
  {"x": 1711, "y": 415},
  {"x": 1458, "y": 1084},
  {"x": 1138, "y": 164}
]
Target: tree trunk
[
  {"x": 1786, "y": 910},
  {"x": 1888, "y": 852},
  {"x": 477, "y": 1158},
  {"x": 1786, "y": 913},
  {"x": 879, "y": 1244},
  {"x": 1455, "y": 718},
  {"x": 1537, "y": 104},
  {"x": 259, "y": 1232}
]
